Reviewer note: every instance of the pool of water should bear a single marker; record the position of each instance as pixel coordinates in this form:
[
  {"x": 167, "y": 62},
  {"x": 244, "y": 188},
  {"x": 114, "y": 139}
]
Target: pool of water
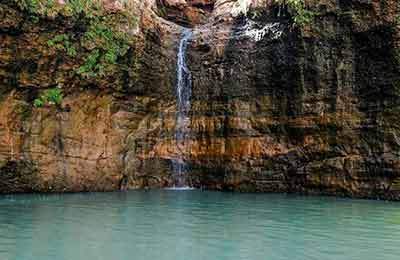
[{"x": 195, "y": 225}]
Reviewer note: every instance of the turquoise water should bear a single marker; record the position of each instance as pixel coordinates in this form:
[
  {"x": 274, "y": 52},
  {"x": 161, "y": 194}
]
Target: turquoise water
[{"x": 195, "y": 225}]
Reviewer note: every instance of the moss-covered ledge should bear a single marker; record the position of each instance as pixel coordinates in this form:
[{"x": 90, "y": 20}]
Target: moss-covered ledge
[{"x": 78, "y": 42}]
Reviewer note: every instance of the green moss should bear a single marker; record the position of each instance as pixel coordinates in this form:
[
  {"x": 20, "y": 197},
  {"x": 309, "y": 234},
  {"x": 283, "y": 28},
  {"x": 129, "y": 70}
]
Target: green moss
[
  {"x": 298, "y": 9},
  {"x": 52, "y": 96},
  {"x": 107, "y": 46},
  {"x": 70, "y": 8},
  {"x": 28, "y": 5},
  {"x": 62, "y": 42},
  {"x": 99, "y": 46}
]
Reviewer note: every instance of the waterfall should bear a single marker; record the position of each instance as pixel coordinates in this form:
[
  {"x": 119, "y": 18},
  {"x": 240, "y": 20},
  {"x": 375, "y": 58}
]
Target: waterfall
[{"x": 183, "y": 96}]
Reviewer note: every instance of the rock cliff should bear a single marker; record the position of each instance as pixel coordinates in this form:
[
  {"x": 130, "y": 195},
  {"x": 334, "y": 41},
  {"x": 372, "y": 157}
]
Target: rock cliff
[{"x": 276, "y": 107}]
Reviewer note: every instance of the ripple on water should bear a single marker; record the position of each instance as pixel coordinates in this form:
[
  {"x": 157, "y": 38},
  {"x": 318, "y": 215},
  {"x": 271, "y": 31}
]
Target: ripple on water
[{"x": 170, "y": 224}]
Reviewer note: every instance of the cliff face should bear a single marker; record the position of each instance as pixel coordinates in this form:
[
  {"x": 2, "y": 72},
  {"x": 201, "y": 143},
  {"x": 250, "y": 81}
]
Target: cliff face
[{"x": 275, "y": 107}]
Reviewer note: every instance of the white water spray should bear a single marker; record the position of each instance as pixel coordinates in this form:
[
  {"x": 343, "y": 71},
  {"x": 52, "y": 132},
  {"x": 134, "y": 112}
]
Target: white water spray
[
  {"x": 272, "y": 30},
  {"x": 183, "y": 97}
]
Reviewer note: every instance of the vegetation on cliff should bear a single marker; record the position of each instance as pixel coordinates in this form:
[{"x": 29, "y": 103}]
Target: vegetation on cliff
[
  {"x": 103, "y": 40},
  {"x": 51, "y": 8},
  {"x": 106, "y": 46},
  {"x": 85, "y": 41},
  {"x": 298, "y": 10},
  {"x": 52, "y": 96},
  {"x": 299, "y": 13}
]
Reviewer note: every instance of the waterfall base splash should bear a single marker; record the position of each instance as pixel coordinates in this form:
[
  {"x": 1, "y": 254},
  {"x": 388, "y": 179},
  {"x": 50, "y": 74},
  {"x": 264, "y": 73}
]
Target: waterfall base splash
[{"x": 180, "y": 188}]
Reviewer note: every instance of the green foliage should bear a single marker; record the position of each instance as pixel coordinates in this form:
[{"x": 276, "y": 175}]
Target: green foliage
[
  {"x": 70, "y": 8},
  {"x": 91, "y": 67},
  {"x": 109, "y": 45},
  {"x": 28, "y": 5},
  {"x": 100, "y": 45},
  {"x": 87, "y": 8},
  {"x": 52, "y": 96},
  {"x": 39, "y": 7},
  {"x": 78, "y": 6},
  {"x": 38, "y": 102},
  {"x": 297, "y": 8},
  {"x": 62, "y": 42}
]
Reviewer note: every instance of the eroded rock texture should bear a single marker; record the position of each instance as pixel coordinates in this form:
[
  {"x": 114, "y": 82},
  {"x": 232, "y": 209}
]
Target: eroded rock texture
[{"x": 275, "y": 108}]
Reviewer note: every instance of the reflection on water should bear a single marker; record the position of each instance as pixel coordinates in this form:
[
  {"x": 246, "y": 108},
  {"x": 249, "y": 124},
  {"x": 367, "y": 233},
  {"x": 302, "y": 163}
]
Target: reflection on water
[{"x": 196, "y": 225}]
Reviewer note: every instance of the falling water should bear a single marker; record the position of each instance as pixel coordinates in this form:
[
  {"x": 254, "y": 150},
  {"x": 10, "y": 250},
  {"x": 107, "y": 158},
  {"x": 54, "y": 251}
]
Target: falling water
[{"x": 183, "y": 94}]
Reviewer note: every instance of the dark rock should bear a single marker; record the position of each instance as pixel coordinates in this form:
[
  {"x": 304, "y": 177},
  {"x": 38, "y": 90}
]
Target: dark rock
[{"x": 275, "y": 108}]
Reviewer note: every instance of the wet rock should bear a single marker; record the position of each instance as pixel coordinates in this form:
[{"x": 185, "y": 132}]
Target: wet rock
[
  {"x": 186, "y": 12},
  {"x": 19, "y": 176},
  {"x": 275, "y": 108}
]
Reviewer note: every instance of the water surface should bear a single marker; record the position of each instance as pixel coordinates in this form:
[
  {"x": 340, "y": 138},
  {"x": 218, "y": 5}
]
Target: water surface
[{"x": 195, "y": 225}]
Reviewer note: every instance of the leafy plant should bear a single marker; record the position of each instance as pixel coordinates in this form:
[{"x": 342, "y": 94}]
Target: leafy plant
[
  {"x": 87, "y": 8},
  {"x": 28, "y": 5},
  {"x": 102, "y": 42},
  {"x": 69, "y": 8},
  {"x": 109, "y": 45},
  {"x": 298, "y": 9},
  {"x": 38, "y": 102},
  {"x": 91, "y": 66},
  {"x": 52, "y": 96},
  {"x": 62, "y": 42}
]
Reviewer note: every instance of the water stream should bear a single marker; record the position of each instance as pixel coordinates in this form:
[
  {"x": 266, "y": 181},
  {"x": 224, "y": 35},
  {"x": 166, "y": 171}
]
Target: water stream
[{"x": 183, "y": 96}]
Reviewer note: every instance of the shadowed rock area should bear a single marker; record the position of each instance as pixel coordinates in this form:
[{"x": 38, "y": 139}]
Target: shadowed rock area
[
  {"x": 186, "y": 12},
  {"x": 275, "y": 107}
]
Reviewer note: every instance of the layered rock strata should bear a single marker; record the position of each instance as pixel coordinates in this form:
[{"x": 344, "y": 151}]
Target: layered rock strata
[{"x": 275, "y": 107}]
